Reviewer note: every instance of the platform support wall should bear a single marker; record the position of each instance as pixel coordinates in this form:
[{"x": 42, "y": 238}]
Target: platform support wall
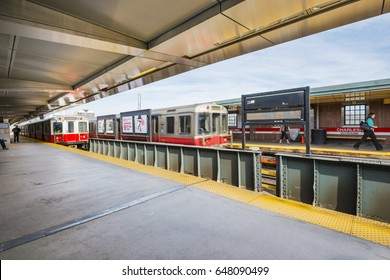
[
  {"x": 234, "y": 167},
  {"x": 350, "y": 185}
]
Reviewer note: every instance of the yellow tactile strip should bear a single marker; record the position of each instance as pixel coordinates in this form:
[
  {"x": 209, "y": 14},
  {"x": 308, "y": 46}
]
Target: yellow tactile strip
[
  {"x": 375, "y": 231},
  {"x": 315, "y": 150}
]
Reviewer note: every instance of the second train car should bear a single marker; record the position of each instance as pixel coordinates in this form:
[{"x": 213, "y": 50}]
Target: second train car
[{"x": 197, "y": 124}]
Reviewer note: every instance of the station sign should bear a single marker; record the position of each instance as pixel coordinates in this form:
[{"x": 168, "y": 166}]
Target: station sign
[{"x": 291, "y": 106}]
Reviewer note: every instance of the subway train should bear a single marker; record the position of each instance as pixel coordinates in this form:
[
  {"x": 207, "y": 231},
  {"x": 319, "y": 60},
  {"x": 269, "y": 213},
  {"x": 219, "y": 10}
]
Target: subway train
[
  {"x": 61, "y": 129},
  {"x": 197, "y": 124}
]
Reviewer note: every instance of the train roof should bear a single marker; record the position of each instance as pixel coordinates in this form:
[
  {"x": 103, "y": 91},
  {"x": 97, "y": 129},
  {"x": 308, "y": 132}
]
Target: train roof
[
  {"x": 58, "y": 118},
  {"x": 192, "y": 107}
]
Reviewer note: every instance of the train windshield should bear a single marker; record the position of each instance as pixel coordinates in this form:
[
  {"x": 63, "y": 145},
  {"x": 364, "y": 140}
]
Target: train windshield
[
  {"x": 83, "y": 127},
  {"x": 70, "y": 127},
  {"x": 214, "y": 123},
  {"x": 57, "y": 127},
  {"x": 204, "y": 123},
  {"x": 224, "y": 123},
  {"x": 219, "y": 124}
]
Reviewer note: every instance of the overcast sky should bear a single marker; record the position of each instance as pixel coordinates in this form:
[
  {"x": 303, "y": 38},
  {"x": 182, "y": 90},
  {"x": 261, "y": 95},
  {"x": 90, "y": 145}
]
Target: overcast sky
[{"x": 354, "y": 53}]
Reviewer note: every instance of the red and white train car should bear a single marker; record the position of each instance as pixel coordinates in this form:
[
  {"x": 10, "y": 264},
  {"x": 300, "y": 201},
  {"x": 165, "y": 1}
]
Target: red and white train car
[
  {"x": 61, "y": 129},
  {"x": 197, "y": 125}
]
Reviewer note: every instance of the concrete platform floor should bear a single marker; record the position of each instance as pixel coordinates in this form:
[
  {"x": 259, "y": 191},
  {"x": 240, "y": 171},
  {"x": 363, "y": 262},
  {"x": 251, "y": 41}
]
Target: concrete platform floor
[{"x": 59, "y": 204}]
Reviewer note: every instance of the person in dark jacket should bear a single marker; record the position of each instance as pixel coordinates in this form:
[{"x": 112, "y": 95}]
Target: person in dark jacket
[
  {"x": 284, "y": 131},
  {"x": 16, "y": 132},
  {"x": 369, "y": 133}
]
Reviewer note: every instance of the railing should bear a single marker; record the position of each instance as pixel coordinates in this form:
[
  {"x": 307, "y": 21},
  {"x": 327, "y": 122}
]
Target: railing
[{"x": 350, "y": 185}]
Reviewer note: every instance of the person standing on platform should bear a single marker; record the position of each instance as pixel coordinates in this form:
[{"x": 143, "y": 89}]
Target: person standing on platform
[
  {"x": 369, "y": 133},
  {"x": 284, "y": 131},
  {"x": 16, "y": 132},
  {"x": 2, "y": 143}
]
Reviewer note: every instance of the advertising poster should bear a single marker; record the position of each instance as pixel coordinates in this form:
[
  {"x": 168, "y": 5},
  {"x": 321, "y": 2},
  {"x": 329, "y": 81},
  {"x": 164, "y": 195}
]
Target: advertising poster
[
  {"x": 127, "y": 124},
  {"x": 110, "y": 126},
  {"x": 100, "y": 126},
  {"x": 141, "y": 124}
]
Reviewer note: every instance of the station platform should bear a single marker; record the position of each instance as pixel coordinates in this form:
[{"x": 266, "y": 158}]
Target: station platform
[
  {"x": 331, "y": 149},
  {"x": 62, "y": 203}
]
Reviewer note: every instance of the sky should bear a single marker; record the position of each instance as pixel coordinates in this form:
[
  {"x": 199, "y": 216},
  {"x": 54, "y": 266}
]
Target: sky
[{"x": 356, "y": 52}]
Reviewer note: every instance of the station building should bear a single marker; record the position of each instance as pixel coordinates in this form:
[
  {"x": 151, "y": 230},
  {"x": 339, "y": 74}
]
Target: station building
[{"x": 337, "y": 110}]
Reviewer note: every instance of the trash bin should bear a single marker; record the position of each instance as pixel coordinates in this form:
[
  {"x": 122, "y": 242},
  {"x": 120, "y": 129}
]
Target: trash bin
[{"x": 318, "y": 136}]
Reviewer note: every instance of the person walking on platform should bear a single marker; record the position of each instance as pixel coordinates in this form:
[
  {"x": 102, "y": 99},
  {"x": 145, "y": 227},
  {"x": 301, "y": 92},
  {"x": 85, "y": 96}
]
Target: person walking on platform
[
  {"x": 369, "y": 133},
  {"x": 2, "y": 143},
  {"x": 284, "y": 130},
  {"x": 16, "y": 132}
]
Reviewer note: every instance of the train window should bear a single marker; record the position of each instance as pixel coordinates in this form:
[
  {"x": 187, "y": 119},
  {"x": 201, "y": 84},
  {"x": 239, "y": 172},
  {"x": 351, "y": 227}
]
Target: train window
[
  {"x": 57, "y": 127},
  {"x": 224, "y": 123},
  {"x": 185, "y": 124},
  {"x": 216, "y": 123},
  {"x": 204, "y": 123},
  {"x": 170, "y": 124},
  {"x": 83, "y": 127},
  {"x": 70, "y": 127}
]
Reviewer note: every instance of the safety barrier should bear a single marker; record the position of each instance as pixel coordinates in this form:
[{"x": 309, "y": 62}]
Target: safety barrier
[
  {"x": 234, "y": 167},
  {"x": 350, "y": 185},
  {"x": 345, "y": 184}
]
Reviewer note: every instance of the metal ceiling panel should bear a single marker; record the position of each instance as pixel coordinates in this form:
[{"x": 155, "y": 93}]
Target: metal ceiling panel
[
  {"x": 143, "y": 20},
  {"x": 386, "y": 6},
  {"x": 56, "y": 53},
  {"x": 201, "y": 38}
]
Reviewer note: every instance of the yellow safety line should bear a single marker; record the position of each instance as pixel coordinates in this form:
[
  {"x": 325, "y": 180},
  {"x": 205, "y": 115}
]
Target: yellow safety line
[
  {"x": 315, "y": 150},
  {"x": 367, "y": 229}
]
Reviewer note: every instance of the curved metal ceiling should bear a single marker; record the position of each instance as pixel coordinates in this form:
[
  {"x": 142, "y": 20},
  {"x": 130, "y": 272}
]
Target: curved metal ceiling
[{"x": 57, "y": 53}]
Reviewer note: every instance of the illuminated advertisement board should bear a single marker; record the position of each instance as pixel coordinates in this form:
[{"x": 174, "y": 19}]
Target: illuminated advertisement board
[{"x": 136, "y": 122}]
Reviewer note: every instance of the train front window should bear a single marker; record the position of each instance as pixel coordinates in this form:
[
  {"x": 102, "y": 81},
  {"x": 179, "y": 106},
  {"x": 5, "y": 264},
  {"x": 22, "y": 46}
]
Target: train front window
[
  {"x": 224, "y": 123},
  {"x": 70, "y": 127},
  {"x": 185, "y": 124},
  {"x": 83, "y": 127},
  {"x": 204, "y": 123},
  {"x": 57, "y": 127},
  {"x": 216, "y": 122}
]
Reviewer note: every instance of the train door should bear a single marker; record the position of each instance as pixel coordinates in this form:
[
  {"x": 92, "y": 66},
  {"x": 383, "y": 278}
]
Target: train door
[
  {"x": 216, "y": 122},
  {"x": 72, "y": 135},
  {"x": 57, "y": 131},
  {"x": 155, "y": 129},
  {"x": 83, "y": 132}
]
